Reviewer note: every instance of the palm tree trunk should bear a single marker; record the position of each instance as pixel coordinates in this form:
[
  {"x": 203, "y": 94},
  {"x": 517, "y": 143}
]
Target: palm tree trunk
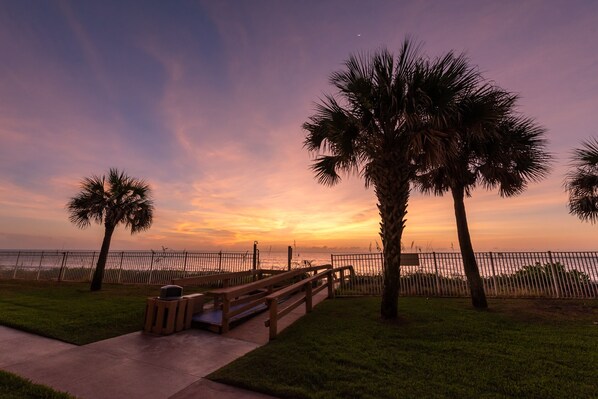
[
  {"x": 98, "y": 275},
  {"x": 392, "y": 190},
  {"x": 474, "y": 280}
]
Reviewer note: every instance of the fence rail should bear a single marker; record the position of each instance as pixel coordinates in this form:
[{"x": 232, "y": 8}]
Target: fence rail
[
  {"x": 505, "y": 274},
  {"x": 131, "y": 267}
]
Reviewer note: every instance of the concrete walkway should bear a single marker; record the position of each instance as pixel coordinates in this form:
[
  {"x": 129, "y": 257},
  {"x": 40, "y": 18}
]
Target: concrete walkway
[{"x": 138, "y": 365}]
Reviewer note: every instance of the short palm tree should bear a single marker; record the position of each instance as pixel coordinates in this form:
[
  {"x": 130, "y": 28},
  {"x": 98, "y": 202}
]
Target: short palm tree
[
  {"x": 497, "y": 150},
  {"x": 111, "y": 200},
  {"x": 582, "y": 182},
  {"x": 388, "y": 114}
]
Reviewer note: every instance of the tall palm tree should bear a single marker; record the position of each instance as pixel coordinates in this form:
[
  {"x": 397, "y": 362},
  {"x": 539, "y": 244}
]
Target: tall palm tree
[
  {"x": 497, "y": 150},
  {"x": 582, "y": 182},
  {"x": 389, "y": 112},
  {"x": 111, "y": 200}
]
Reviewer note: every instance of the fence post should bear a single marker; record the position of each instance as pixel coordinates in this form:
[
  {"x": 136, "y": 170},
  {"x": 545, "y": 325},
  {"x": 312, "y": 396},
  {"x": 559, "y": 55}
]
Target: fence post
[
  {"x": 308, "y": 298},
  {"x": 149, "y": 279},
  {"x": 185, "y": 265},
  {"x": 555, "y": 283},
  {"x": 289, "y": 257},
  {"x": 254, "y": 255},
  {"x": 120, "y": 267},
  {"x": 63, "y": 266},
  {"x": 91, "y": 268},
  {"x": 436, "y": 273},
  {"x": 220, "y": 261},
  {"x": 330, "y": 283},
  {"x": 14, "y": 273},
  {"x": 40, "y": 266},
  {"x": 493, "y": 274}
]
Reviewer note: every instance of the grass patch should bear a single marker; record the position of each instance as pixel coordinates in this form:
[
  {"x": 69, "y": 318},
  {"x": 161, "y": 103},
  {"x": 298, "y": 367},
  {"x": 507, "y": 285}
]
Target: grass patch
[
  {"x": 70, "y": 312},
  {"x": 15, "y": 387},
  {"x": 440, "y": 348}
]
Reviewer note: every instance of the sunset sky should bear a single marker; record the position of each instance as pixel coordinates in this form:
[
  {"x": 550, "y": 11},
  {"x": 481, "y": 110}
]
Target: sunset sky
[{"x": 205, "y": 100}]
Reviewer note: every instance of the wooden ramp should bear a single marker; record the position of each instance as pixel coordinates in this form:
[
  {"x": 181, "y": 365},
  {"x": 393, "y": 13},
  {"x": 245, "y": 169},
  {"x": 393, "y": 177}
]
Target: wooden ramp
[
  {"x": 281, "y": 294},
  {"x": 254, "y": 329},
  {"x": 211, "y": 319}
]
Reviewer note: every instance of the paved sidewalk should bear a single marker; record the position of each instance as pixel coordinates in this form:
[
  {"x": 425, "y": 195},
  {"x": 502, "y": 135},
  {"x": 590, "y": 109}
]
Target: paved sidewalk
[
  {"x": 139, "y": 365},
  {"x": 130, "y": 366}
]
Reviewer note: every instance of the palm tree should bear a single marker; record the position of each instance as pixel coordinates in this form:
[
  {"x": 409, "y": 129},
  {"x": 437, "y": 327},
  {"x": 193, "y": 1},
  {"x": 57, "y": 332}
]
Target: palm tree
[
  {"x": 388, "y": 113},
  {"x": 111, "y": 200},
  {"x": 497, "y": 150},
  {"x": 582, "y": 182}
]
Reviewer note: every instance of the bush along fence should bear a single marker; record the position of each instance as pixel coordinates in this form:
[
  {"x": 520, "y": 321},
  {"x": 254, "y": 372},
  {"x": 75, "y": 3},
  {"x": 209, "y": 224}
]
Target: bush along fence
[
  {"x": 505, "y": 274},
  {"x": 128, "y": 267}
]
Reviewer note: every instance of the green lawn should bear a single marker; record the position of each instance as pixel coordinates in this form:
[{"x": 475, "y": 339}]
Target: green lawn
[
  {"x": 15, "y": 387},
  {"x": 70, "y": 312},
  {"x": 440, "y": 348}
]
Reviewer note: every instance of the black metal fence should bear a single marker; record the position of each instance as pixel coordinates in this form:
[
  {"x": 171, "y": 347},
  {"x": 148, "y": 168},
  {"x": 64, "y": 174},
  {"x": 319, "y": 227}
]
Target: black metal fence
[
  {"x": 505, "y": 274},
  {"x": 131, "y": 267}
]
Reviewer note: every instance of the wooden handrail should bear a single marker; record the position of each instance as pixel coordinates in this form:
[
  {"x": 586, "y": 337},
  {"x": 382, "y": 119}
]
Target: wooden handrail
[
  {"x": 245, "y": 294},
  {"x": 236, "y": 291},
  {"x": 210, "y": 278},
  {"x": 272, "y": 299}
]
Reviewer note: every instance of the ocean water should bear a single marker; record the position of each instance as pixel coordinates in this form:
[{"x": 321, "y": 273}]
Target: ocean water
[{"x": 279, "y": 260}]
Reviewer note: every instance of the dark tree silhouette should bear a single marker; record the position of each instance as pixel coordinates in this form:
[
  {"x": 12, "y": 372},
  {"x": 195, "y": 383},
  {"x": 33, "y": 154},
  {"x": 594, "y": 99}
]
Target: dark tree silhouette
[
  {"x": 111, "y": 200},
  {"x": 389, "y": 114},
  {"x": 582, "y": 182},
  {"x": 495, "y": 149}
]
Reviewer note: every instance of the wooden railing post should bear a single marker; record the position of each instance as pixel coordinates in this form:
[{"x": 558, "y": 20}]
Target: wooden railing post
[
  {"x": 225, "y": 316},
  {"x": 330, "y": 285},
  {"x": 308, "y": 298},
  {"x": 273, "y": 305}
]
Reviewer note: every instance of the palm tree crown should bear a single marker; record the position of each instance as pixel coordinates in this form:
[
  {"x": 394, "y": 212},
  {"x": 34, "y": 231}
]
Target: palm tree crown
[
  {"x": 495, "y": 148},
  {"x": 388, "y": 118},
  {"x": 112, "y": 200},
  {"x": 582, "y": 182}
]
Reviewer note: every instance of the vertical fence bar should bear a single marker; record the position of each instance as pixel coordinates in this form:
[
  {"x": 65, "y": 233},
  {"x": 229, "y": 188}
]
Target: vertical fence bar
[
  {"x": 91, "y": 267},
  {"x": 436, "y": 274},
  {"x": 493, "y": 274},
  {"x": 65, "y": 256},
  {"x": 120, "y": 267},
  {"x": 39, "y": 269},
  {"x": 14, "y": 273},
  {"x": 557, "y": 291},
  {"x": 149, "y": 279},
  {"x": 185, "y": 265}
]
